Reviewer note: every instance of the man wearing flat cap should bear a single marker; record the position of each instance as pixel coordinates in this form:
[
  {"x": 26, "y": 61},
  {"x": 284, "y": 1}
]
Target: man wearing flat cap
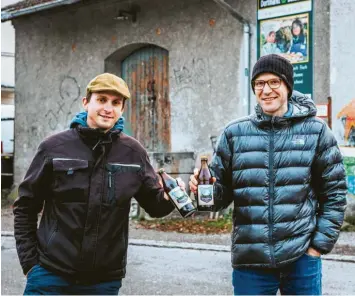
[
  {"x": 83, "y": 179},
  {"x": 283, "y": 170}
]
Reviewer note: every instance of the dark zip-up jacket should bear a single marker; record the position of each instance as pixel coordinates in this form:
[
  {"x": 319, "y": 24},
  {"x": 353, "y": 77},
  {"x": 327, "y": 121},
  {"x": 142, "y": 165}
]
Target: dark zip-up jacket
[
  {"x": 85, "y": 179},
  {"x": 287, "y": 180}
]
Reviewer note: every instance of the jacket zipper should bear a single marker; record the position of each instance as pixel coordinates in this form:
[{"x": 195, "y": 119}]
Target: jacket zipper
[
  {"x": 126, "y": 165},
  {"x": 99, "y": 215},
  {"x": 59, "y": 158},
  {"x": 271, "y": 193},
  {"x": 111, "y": 189}
]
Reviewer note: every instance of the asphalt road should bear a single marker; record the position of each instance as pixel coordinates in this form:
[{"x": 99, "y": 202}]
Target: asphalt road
[{"x": 168, "y": 271}]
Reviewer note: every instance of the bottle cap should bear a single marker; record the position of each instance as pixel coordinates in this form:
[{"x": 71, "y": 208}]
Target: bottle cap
[
  {"x": 204, "y": 157},
  {"x": 161, "y": 170}
]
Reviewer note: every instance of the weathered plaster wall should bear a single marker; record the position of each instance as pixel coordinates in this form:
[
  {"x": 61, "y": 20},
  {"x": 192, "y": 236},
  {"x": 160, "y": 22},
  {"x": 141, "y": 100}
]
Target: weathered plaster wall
[
  {"x": 59, "y": 51},
  {"x": 321, "y": 50}
]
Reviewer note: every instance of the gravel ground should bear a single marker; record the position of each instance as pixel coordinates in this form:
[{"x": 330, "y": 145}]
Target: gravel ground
[{"x": 344, "y": 246}]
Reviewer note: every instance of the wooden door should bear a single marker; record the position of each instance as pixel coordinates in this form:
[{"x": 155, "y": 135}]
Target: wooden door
[{"x": 147, "y": 114}]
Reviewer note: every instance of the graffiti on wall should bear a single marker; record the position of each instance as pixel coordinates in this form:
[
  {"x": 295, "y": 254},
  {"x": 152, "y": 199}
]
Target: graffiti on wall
[
  {"x": 65, "y": 108},
  {"x": 346, "y": 116},
  {"x": 193, "y": 75},
  {"x": 191, "y": 88}
]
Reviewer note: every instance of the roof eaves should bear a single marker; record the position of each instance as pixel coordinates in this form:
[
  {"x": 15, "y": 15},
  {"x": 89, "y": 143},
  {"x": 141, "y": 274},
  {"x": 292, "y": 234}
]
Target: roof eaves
[{"x": 11, "y": 14}]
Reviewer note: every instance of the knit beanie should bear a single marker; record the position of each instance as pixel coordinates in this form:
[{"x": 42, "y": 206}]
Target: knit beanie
[{"x": 275, "y": 64}]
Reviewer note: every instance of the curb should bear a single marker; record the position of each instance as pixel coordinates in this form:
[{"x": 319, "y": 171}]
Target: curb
[
  {"x": 218, "y": 248},
  {"x": 200, "y": 247},
  {"x": 178, "y": 245}
]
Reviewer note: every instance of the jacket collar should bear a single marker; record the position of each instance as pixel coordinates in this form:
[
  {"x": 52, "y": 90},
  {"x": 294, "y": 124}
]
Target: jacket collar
[
  {"x": 80, "y": 119},
  {"x": 302, "y": 107}
]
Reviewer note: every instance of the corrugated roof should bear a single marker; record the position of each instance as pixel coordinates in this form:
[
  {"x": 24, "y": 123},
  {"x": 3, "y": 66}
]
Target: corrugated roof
[{"x": 31, "y": 6}]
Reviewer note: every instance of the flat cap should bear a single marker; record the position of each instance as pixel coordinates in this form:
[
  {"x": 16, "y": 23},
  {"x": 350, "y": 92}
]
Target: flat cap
[{"x": 109, "y": 82}]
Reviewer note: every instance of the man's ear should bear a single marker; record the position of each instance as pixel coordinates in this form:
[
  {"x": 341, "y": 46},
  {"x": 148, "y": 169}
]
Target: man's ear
[
  {"x": 85, "y": 103},
  {"x": 124, "y": 104}
]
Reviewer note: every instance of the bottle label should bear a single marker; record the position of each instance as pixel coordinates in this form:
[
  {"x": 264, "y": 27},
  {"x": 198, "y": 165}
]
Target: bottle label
[
  {"x": 179, "y": 197},
  {"x": 205, "y": 195}
]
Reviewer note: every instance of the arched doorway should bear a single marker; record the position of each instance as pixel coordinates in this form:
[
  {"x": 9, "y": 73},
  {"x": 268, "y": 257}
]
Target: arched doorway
[{"x": 147, "y": 114}]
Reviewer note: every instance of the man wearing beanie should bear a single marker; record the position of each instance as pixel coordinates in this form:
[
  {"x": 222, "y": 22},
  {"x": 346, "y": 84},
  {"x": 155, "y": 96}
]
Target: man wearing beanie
[
  {"x": 84, "y": 179},
  {"x": 283, "y": 170}
]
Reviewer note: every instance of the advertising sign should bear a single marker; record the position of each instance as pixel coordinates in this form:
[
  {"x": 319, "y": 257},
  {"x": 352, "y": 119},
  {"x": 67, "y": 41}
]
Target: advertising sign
[{"x": 284, "y": 27}]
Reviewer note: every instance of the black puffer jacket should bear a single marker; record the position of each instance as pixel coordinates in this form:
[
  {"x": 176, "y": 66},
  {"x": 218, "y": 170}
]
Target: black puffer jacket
[{"x": 287, "y": 181}]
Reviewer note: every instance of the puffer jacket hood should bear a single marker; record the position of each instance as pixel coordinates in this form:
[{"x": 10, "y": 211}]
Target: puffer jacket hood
[{"x": 303, "y": 106}]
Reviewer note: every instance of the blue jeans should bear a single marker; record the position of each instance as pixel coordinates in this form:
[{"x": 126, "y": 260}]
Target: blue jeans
[
  {"x": 40, "y": 281},
  {"x": 302, "y": 277}
]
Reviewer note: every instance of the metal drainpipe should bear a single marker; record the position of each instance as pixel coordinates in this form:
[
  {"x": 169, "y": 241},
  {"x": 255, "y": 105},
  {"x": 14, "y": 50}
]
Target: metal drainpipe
[{"x": 247, "y": 41}]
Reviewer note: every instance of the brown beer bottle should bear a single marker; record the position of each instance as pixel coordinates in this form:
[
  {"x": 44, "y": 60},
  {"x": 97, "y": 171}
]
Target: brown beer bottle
[
  {"x": 178, "y": 197},
  {"x": 205, "y": 200}
]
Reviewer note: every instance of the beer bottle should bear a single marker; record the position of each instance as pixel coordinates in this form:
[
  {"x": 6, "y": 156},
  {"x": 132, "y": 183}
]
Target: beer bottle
[
  {"x": 178, "y": 197},
  {"x": 205, "y": 200}
]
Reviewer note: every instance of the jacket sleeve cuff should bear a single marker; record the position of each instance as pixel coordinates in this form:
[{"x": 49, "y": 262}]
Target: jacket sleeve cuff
[
  {"x": 168, "y": 205},
  {"x": 321, "y": 243},
  {"x": 163, "y": 208},
  {"x": 317, "y": 249}
]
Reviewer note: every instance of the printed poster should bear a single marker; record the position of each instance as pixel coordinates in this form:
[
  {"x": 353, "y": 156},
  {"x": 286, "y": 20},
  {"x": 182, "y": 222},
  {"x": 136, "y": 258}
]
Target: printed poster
[{"x": 284, "y": 27}]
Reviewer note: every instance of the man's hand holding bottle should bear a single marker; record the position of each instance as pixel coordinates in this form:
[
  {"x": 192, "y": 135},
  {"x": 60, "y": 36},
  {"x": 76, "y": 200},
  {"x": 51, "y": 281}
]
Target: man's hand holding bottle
[
  {"x": 193, "y": 183},
  {"x": 201, "y": 184},
  {"x": 180, "y": 182},
  {"x": 175, "y": 191}
]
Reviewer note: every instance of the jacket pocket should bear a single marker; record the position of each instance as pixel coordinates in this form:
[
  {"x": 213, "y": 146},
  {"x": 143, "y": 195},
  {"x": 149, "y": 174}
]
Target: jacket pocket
[
  {"x": 71, "y": 179},
  {"x": 118, "y": 176},
  {"x": 112, "y": 242},
  {"x": 312, "y": 256}
]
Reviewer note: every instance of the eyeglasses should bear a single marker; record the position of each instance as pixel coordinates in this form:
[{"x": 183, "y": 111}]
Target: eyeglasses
[{"x": 272, "y": 83}]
